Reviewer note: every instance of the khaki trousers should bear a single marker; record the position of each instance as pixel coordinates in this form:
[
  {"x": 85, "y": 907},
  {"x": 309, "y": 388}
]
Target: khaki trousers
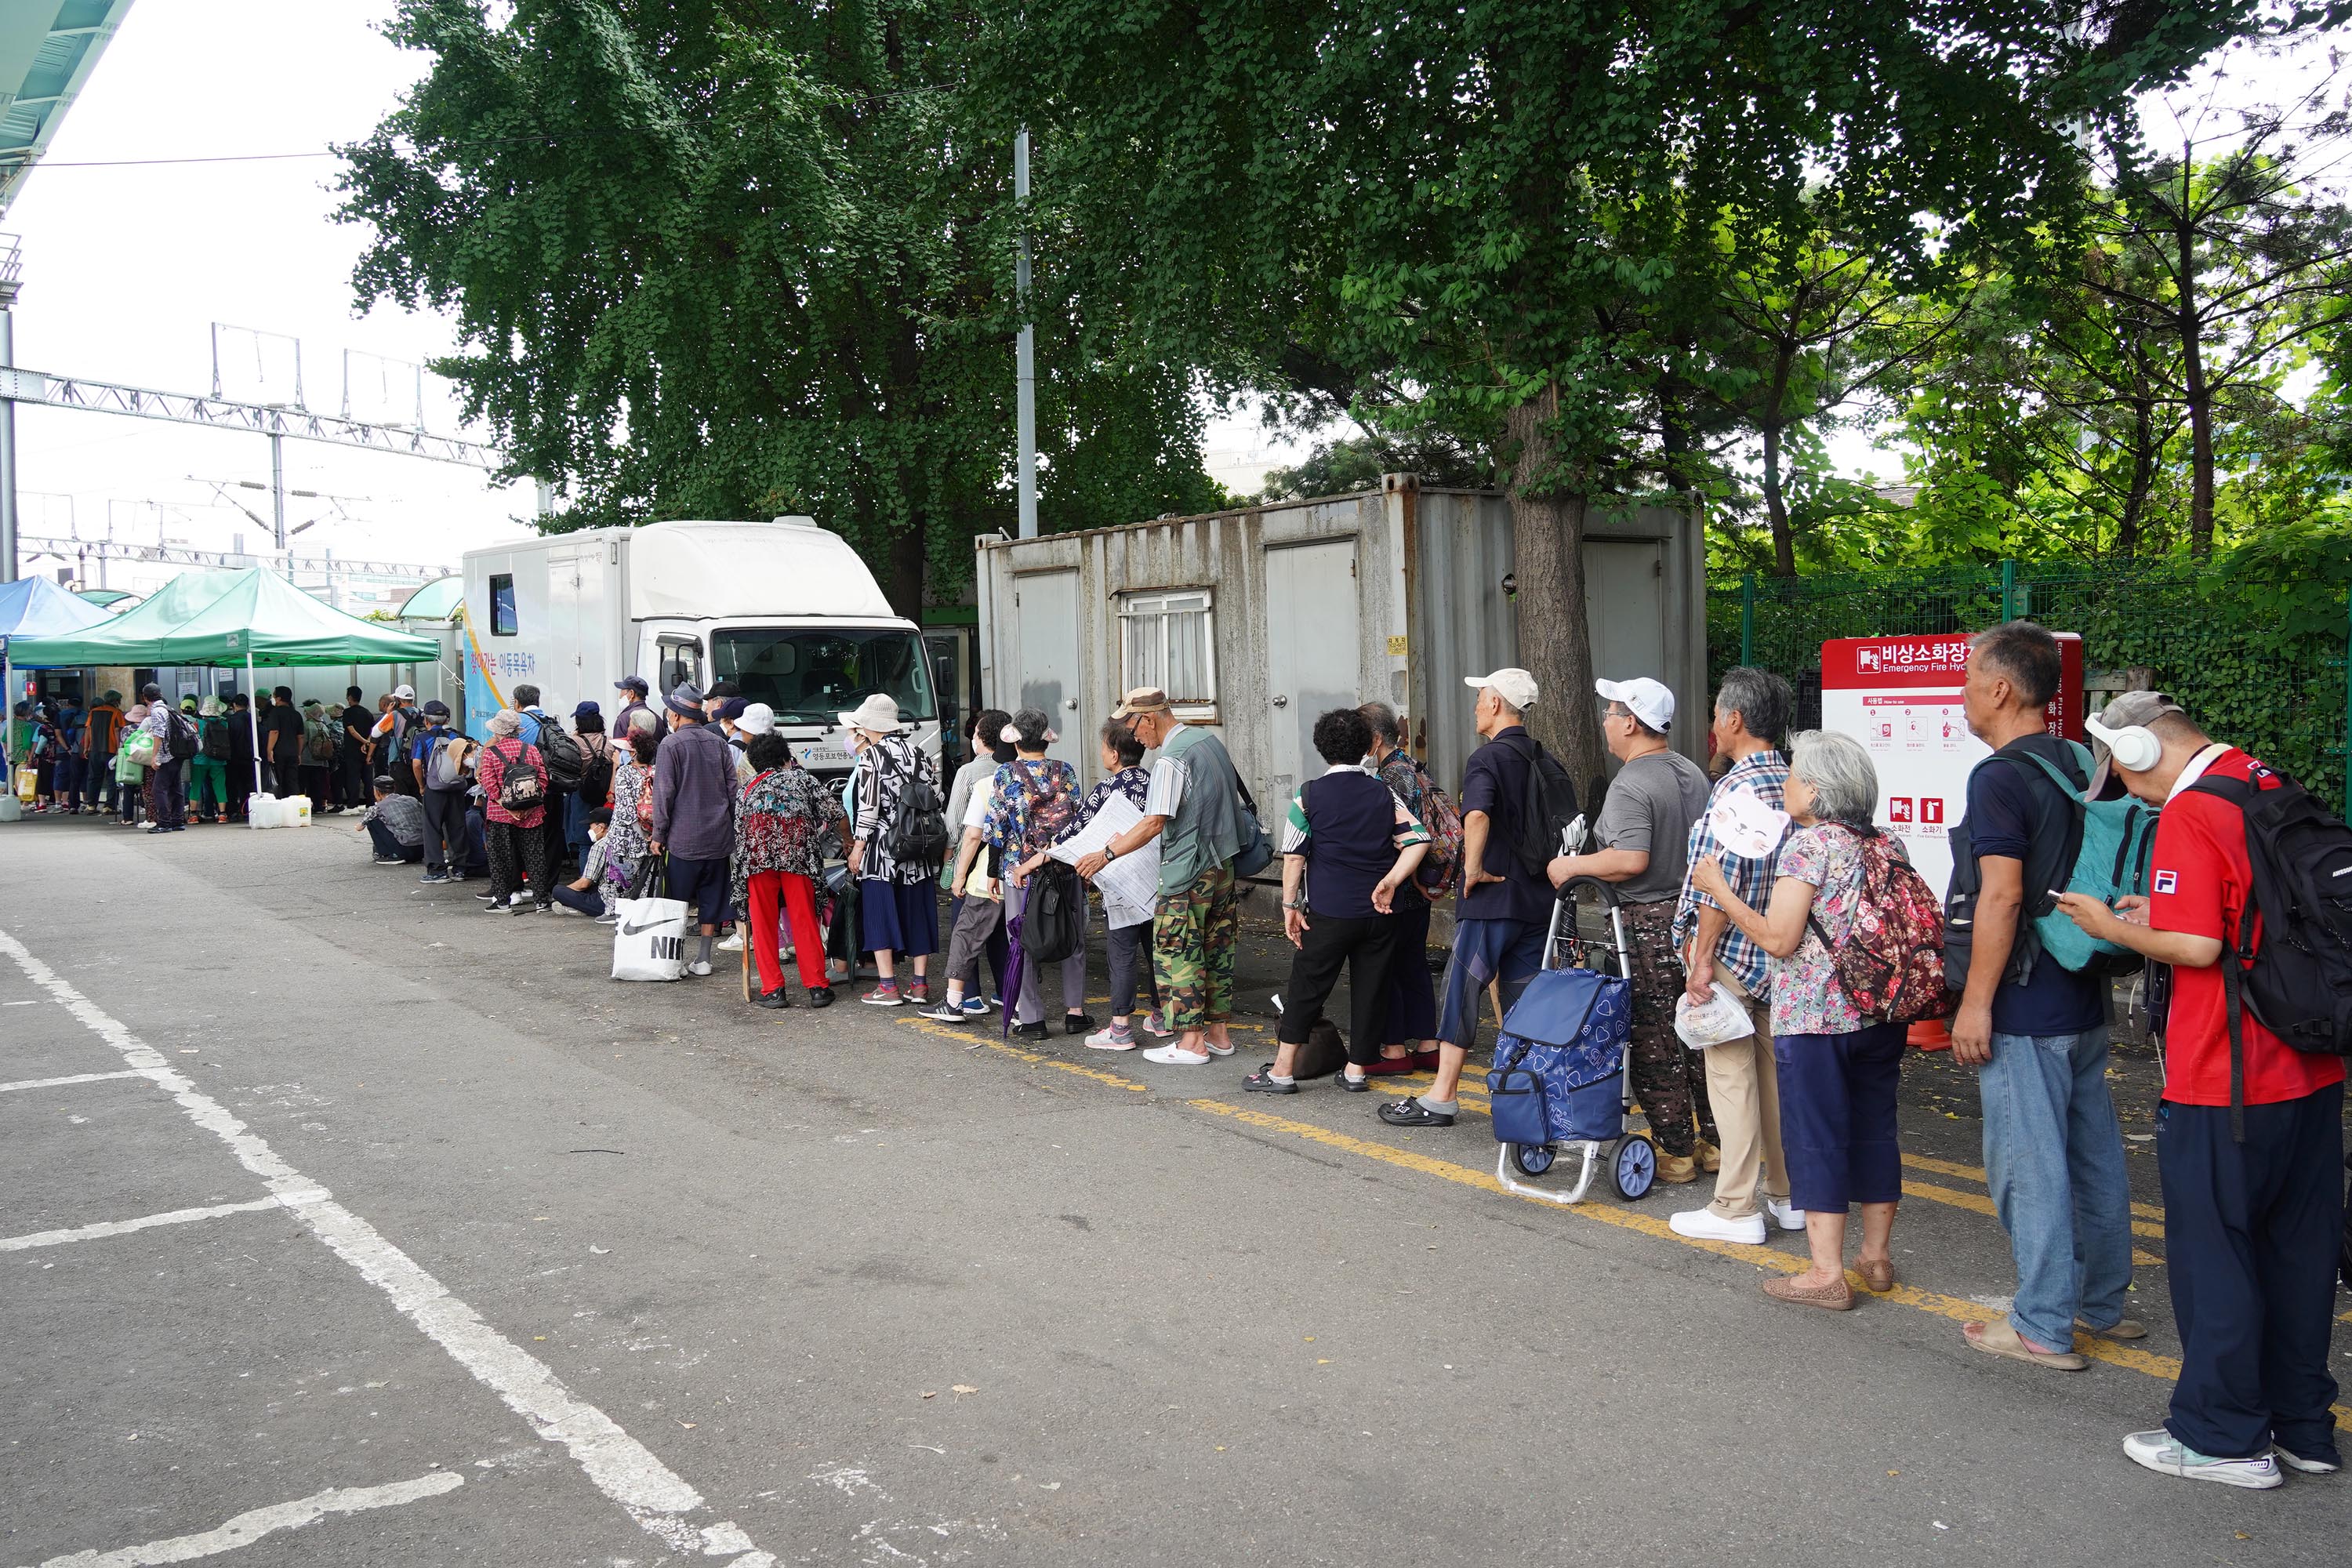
[{"x": 1746, "y": 1093}]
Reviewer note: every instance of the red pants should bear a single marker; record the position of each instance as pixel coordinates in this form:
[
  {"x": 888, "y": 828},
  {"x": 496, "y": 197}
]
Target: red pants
[{"x": 800, "y": 907}]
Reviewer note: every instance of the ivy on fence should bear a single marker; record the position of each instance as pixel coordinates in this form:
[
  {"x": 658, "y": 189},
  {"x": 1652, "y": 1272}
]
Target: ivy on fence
[{"x": 2253, "y": 644}]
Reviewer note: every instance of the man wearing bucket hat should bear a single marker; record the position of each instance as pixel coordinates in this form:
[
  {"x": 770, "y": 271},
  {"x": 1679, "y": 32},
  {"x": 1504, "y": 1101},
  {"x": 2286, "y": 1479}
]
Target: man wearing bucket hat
[{"x": 897, "y": 902}]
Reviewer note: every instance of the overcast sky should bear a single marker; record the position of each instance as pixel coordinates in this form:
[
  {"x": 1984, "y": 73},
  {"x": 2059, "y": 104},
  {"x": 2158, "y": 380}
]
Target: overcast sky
[{"x": 126, "y": 268}]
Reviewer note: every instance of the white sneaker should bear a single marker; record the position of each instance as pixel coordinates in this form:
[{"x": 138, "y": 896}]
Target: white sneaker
[
  {"x": 1105, "y": 1040},
  {"x": 1705, "y": 1225},
  {"x": 561, "y": 909},
  {"x": 1175, "y": 1057},
  {"x": 2302, "y": 1466},
  {"x": 732, "y": 942},
  {"x": 699, "y": 966},
  {"x": 2166, "y": 1455},
  {"x": 1784, "y": 1214}
]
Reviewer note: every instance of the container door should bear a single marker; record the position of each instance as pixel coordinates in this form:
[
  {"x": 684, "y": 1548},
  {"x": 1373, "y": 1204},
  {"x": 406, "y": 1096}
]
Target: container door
[
  {"x": 1314, "y": 658},
  {"x": 1045, "y": 621},
  {"x": 559, "y": 679},
  {"x": 1624, "y": 589}
]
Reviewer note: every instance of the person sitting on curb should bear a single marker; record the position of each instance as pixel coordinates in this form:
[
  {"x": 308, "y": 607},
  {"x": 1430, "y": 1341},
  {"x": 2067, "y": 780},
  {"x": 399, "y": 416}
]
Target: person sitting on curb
[
  {"x": 585, "y": 895},
  {"x": 396, "y": 825}
]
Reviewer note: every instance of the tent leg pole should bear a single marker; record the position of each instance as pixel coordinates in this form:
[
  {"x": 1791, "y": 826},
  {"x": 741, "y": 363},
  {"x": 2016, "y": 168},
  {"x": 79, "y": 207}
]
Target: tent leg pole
[{"x": 253, "y": 729}]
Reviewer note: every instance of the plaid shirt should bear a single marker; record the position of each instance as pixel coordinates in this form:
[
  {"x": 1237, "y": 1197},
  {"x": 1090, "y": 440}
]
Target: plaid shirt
[{"x": 1767, "y": 775}]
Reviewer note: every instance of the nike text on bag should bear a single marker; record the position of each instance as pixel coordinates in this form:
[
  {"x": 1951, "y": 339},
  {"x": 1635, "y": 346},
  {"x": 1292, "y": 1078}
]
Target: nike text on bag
[
  {"x": 2291, "y": 964},
  {"x": 649, "y": 939},
  {"x": 1054, "y": 922},
  {"x": 566, "y": 763},
  {"x": 1891, "y": 963},
  {"x": 1548, "y": 806}
]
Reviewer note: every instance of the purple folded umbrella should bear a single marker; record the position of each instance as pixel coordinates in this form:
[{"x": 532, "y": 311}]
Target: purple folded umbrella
[{"x": 1012, "y": 974}]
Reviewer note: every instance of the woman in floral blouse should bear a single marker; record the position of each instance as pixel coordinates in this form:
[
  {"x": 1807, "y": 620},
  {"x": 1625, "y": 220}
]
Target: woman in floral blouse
[
  {"x": 1128, "y": 941},
  {"x": 1035, "y": 798},
  {"x": 781, "y": 819},
  {"x": 1838, "y": 1068},
  {"x": 898, "y": 904},
  {"x": 633, "y": 810}
]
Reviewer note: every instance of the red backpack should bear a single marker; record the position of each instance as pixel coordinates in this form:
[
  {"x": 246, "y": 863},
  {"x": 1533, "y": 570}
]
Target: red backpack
[{"x": 1891, "y": 963}]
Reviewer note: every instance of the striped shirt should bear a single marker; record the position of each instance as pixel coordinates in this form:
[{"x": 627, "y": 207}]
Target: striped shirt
[{"x": 1766, "y": 776}]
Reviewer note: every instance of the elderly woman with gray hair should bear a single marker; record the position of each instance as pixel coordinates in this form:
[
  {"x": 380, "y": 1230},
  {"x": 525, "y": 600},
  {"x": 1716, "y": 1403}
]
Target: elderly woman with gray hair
[{"x": 1838, "y": 1069}]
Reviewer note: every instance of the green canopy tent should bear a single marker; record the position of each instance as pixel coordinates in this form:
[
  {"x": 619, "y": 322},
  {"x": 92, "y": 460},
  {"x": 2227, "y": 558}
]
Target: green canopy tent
[{"x": 225, "y": 619}]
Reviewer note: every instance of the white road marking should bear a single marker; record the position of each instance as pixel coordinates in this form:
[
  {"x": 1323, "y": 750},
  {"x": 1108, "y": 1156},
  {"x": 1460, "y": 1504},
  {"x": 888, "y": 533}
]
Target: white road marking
[
  {"x": 247, "y": 1528},
  {"x": 65, "y": 1082},
  {"x": 125, "y": 1226},
  {"x": 622, "y": 1468}
]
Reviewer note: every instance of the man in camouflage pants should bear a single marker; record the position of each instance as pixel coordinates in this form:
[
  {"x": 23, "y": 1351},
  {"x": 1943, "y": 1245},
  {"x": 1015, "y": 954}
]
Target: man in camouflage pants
[
  {"x": 1192, "y": 937},
  {"x": 1644, "y": 833}
]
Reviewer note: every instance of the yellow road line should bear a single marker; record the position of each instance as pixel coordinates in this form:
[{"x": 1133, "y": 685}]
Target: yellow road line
[
  {"x": 1976, "y": 1173},
  {"x": 968, "y": 1038},
  {"x": 1952, "y": 1306}
]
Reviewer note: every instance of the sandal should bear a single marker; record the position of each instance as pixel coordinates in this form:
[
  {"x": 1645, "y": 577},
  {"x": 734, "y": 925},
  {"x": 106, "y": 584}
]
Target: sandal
[
  {"x": 1413, "y": 1113},
  {"x": 1878, "y": 1277},
  {"x": 1999, "y": 1338},
  {"x": 2121, "y": 1329},
  {"x": 1837, "y": 1298}
]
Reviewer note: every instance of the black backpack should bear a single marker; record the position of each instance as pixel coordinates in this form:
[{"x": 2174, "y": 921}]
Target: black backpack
[
  {"x": 566, "y": 763},
  {"x": 2298, "y": 980},
  {"x": 917, "y": 830},
  {"x": 1548, "y": 807},
  {"x": 216, "y": 740},
  {"x": 181, "y": 740},
  {"x": 596, "y": 777},
  {"x": 1053, "y": 921}
]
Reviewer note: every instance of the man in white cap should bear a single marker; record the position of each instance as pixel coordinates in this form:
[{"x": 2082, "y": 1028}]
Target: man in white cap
[
  {"x": 1643, "y": 835},
  {"x": 399, "y": 735},
  {"x": 1505, "y": 904},
  {"x": 2250, "y": 1132},
  {"x": 897, "y": 900}
]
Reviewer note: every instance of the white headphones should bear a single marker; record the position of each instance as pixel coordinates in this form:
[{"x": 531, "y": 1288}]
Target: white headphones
[{"x": 2133, "y": 747}]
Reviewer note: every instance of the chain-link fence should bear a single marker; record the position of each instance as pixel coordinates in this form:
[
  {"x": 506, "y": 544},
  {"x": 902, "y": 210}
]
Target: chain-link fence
[{"x": 2244, "y": 667}]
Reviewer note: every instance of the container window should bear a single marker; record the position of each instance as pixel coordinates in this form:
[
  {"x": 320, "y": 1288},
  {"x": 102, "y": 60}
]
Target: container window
[
  {"x": 1169, "y": 641},
  {"x": 502, "y": 606}
]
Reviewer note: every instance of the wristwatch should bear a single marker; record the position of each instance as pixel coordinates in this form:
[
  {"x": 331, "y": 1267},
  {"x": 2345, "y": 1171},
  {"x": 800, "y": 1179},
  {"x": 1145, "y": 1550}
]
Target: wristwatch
[{"x": 1109, "y": 853}]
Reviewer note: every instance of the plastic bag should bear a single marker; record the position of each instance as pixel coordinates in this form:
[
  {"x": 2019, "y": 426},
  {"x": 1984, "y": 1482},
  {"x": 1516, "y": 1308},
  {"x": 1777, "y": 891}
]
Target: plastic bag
[
  {"x": 1721, "y": 1019},
  {"x": 649, "y": 939}
]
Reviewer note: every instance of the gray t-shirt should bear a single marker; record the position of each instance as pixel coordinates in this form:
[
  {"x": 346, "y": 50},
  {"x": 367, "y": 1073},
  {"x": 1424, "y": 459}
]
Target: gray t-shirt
[{"x": 1652, "y": 804}]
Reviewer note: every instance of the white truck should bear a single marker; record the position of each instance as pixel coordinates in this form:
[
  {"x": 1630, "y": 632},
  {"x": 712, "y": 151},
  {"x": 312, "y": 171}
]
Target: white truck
[{"x": 784, "y": 609}]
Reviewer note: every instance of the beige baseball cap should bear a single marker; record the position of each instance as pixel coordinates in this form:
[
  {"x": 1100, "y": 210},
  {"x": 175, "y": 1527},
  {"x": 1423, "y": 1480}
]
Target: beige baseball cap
[
  {"x": 1141, "y": 700},
  {"x": 1515, "y": 687}
]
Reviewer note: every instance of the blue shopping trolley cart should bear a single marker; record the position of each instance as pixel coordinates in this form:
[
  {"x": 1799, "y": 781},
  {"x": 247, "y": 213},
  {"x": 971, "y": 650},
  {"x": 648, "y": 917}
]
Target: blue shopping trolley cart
[{"x": 1563, "y": 1077}]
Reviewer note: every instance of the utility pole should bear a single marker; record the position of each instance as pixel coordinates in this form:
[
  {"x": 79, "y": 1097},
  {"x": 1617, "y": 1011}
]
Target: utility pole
[
  {"x": 278, "y": 500},
  {"x": 1024, "y": 352},
  {"x": 11, "y": 265}
]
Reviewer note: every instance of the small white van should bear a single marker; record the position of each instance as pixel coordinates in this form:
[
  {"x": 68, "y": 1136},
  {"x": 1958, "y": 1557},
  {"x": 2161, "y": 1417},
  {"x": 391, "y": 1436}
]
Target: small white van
[{"x": 784, "y": 609}]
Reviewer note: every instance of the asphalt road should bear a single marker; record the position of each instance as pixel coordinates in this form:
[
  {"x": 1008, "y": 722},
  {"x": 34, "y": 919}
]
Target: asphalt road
[{"x": 466, "y": 1254}]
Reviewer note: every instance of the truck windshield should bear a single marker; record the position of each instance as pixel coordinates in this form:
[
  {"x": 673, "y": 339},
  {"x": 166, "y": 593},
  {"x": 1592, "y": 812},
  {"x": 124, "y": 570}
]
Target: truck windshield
[{"x": 810, "y": 675}]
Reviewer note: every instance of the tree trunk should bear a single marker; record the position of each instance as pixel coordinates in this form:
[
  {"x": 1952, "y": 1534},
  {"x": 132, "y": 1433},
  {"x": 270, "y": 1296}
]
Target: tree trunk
[
  {"x": 2143, "y": 475},
  {"x": 1776, "y": 505},
  {"x": 2200, "y": 410},
  {"x": 1555, "y": 639}
]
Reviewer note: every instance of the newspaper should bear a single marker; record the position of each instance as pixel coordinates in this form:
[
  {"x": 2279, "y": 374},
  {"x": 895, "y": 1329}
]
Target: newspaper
[{"x": 1128, "y": 885}]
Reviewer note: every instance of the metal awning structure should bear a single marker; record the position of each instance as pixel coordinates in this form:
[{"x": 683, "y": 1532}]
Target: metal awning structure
[{"x": 46, "y": 50}]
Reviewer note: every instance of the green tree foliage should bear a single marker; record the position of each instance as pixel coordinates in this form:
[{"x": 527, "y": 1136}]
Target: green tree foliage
[
  {"x": 1507, "y": 208},
  {"x": 1346, "y": 464},
  {"x": 729, "y": 258}
]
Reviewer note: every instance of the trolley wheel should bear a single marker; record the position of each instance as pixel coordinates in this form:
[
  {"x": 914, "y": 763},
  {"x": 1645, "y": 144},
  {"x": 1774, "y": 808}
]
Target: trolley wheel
[
  {"x": 1533, "y": 1159},
  {"x": 1635, "y": 1167}
]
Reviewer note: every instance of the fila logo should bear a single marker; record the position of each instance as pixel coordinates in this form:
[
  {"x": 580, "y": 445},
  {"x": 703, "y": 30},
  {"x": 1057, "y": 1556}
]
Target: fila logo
[{"x": 2167, "y": 881}]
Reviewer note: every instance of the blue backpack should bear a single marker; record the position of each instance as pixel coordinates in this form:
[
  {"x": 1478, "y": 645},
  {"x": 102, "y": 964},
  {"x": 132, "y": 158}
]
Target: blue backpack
[{"x": 2107, "y": 846}]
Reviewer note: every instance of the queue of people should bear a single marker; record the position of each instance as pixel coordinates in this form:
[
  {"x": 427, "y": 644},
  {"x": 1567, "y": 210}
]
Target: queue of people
[{"x": 1798, "y": 1121}]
